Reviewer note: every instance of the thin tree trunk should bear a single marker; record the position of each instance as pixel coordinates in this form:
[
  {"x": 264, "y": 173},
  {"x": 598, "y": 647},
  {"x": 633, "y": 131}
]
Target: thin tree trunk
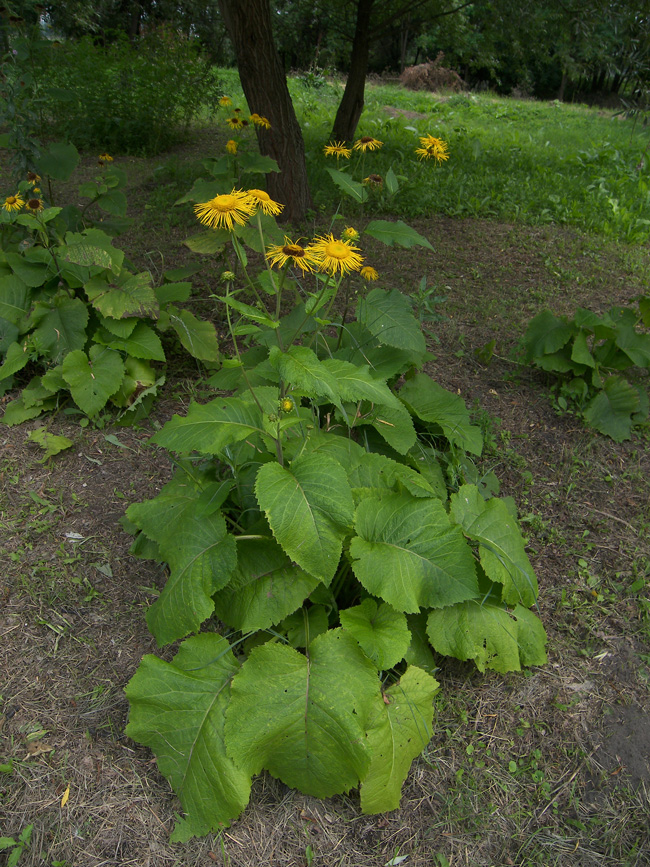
[
  {"x": 265, "y": 88},
  {"x": 351, "y": 106}
]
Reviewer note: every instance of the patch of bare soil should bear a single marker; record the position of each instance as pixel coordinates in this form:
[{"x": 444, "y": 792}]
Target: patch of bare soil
[{"x": 543, "y": 767}]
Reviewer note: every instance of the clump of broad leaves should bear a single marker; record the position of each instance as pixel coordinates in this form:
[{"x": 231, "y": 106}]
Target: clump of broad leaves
[{"x": 328, "y": 537}]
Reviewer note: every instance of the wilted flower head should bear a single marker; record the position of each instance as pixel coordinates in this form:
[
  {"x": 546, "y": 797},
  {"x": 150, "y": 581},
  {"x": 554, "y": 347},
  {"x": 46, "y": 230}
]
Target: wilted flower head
[
  {"x": 225, "y": 101},
  {"x": 231, "y": 147},
  {"x": 375, "y": 181},
  {"x": 265, "y": 203},
  {"x": 105, "y": 158},
  {"x": 260, "y": 120},
  {"x": 369, "y": 273},
  {"x": 367, "y": 143}
]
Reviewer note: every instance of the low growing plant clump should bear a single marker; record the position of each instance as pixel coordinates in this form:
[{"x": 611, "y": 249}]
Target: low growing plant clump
[
  {"x": 327, "y": 522},
  {"x": 588, "y": 353}
]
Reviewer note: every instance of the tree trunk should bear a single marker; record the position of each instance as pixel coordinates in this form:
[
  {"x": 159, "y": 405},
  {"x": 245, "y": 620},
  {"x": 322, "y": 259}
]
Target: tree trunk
[
  {"x": 265, "y": 88},
  {"x": 351, "y": 106}
]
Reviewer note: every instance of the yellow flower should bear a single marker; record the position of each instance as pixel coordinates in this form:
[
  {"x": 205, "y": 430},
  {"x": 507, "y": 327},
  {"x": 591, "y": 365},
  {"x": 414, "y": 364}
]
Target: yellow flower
[
  {"x": 337, "y": 149},
  {"x": 286, "y": 404},
  {"x": 260, "y": 120},
  {"x": 231, "y": 147},
  {"x": 374, "y": 181},
  {"x": 265, "y": 203},
  {"x": 105, "y": 158},
  {"x": 36, "y": 191},
  {"x": 33, "y": 178},
  {"x": 235, "y": 122},
  {"x": 369, "y": 273},
  {"x": 34, "y": 205},
  {"x": 13, "y": 203},
  {"x": 225, "y": 101},
  {"x": 289, "y": 252},
  {"x": 367, "y": 143},
  {"x": 226, "y": 210},
  {"x": 333, "y": 256},
  {"x": 432, "y": 148},
  {"x": 350, "y": 234}
]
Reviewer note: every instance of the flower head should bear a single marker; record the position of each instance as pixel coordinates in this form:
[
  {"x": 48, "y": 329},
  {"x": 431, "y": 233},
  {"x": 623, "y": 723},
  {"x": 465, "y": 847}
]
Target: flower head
[
  {"x": 260, "y": 120},
  {"x": 369, "y": 273},
  {"x": 13, "y": 203},
  {"x": 350, "y": 234},
  {"x": 337, "y": 149},
  {"x": 333, "y": 256},
  {"x": 33, "y": 178},
  {"x": 34, "y": 205},
  {"x": 367, "y": 143},
  {"x": 287, "y": 404},
  {"x": 265, "y": 203},
  {"x": 225, "y": 101},
  {"x": 235, "y": 122},
  {"x": 225, "y": 210},
  {"x": 293, "y": 253},
  {"x": 105, "y": 158},
  {"x": 231, "y": 147},
  {"x": 227, "y": 276},
  {"x": 432, "y": 148},
  {"x": 375, "y": 181}
]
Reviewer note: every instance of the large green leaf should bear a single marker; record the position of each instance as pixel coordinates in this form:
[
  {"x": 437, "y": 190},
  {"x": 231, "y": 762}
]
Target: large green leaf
[
  {"x": 197, "y": 336},
  {"x": 398, "y": 732},
  {"x": 178, "y": 709},
  {"x": 113, "y": 202},
  {"x": 388, "y": 316},
  {"x": 304, "y": 719},
  {"x": 17, "y": 357},
  {"x": 546, "y": 334},
  {"x": 202, "y": 191},
  {"x": 611, "y": 411},
  {"x": 501, "y": 546},
  {"x": 310, "y": 510},
  {"x": 14, "y": 298},
  {"x": 208, "y": 243},
  {"x": 59, "y": 161},
  {"x": 395, "y": 425},
  {"x": 143, "y": 342},
  {"x": 92, "y": 378},
  {"x": 380, "y": 630},
  {"x": 209, "y": 428},
  {"x": 33, "y": 274},
  {"x": 264, "y": 588},
  {"x": 408, "y": 553},
  {"x": 435, "y": 405},
  {"x": 257, "y": 163},
  {"x": 487, "y": 634},
  {"x": 132, "y": 295},
  {"x": 375, "y": 473},
  {"x": 357, "y": 383},
  {"x": 396, "y": 233},
  {"x": 351, "y": 188},
  {"x": 61, "y": 327},
  {"x": 301, "y": 368}
]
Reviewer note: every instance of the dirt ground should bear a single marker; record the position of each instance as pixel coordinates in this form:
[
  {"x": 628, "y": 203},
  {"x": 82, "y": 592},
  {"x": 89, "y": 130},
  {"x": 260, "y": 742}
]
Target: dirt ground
[{"x": 546, "y": 767}]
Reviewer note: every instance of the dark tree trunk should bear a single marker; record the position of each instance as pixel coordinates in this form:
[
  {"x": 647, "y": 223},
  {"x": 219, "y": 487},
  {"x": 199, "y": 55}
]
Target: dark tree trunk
[
  {"x": 265, "y": 88},
  {"x": 351, "y": 106}
]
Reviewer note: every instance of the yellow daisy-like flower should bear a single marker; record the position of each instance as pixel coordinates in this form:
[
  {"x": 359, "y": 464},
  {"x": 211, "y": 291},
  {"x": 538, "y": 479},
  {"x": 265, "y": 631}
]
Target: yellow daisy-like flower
[
  {"x": 333, "y": 256},
  {"x": 13, "y": 203},
  {"x": 105, "y": 158},
  {"x": 34, "y": 205},
  {"x": 231, "y": 147},
  {"x": 226, "y": 210},
  {"x": 375, "y": 181},
  {"x": 33, "y": 178},
  {"x": 369, "y": 273},
  {"x": 291, "y": 253},
  {"x": 36, "y": 191},
  {"x": 265, "y": 203},
  {"x": 235, "y": 122},
  {"x": 260, "y": 120},
  {"x": 337, "y": 149},
  {"x": 350, "y": 234},
  {"x": 225, "y": 101},
  {"x": 367, "y": 143},
  {"x": 433, "y": 148}
]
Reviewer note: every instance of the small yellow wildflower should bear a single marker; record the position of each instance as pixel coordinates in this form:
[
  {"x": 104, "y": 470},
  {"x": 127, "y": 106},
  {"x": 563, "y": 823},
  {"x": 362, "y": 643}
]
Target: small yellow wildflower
[
  {"x": 350, "y": 234},
  {"x": 225, "y": 101},
  {"x": 36, "y": 191},
  {"x": 337, "y": 149},
  {"x": 13, "y": 203},
  {"x": 225, "y": 210},
  {"x": 34, "y": 205},
  {"x": 367, "y": 143},
  {"x": 375, "y": 181},
  {"x": 286, "y": 404},
  {"x": 432, "y": 148},
  {"x": 260, "y": 120},
  {"x": 235, "y": 122},
  {"x": 369, "y": 273},
  {"x": 291, "y": 253},
  {"x": 33, "y": 178},
  {"x": 333, "y": 256},
  {"x": 265, "y": 203},
  {"x": 105, "y": 158},
  {"x": 231, "y": 147}
]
